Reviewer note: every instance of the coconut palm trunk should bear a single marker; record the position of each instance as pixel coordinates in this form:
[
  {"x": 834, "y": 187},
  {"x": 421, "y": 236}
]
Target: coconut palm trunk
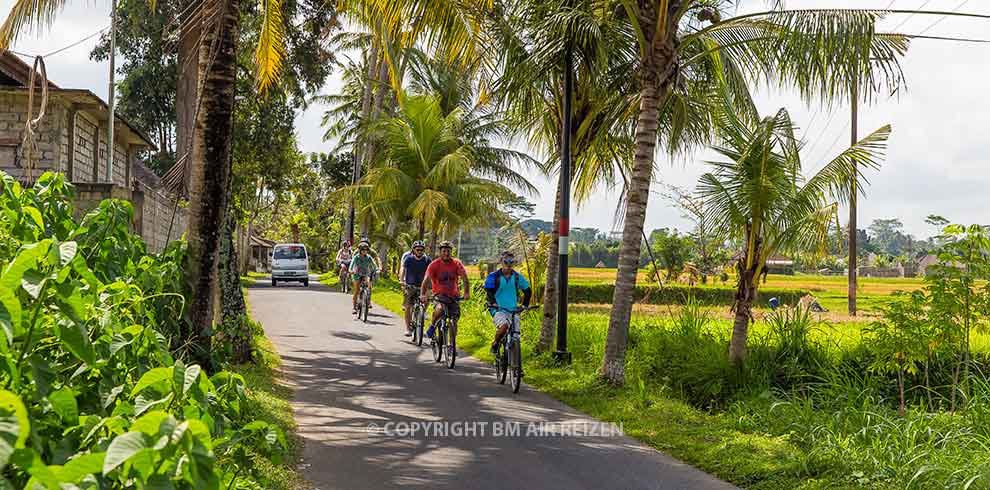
[
  {"x": 743, "y": 307},
  {"x": 210, "y": 170},
  {"x": 656, "y": 79},
  {"x": 233, "y": 310},
  {"x": 549, "y": 323}
]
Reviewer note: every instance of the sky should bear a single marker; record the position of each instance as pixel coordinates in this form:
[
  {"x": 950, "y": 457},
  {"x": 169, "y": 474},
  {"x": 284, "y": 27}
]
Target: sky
[{"x": 937, "y": 160}]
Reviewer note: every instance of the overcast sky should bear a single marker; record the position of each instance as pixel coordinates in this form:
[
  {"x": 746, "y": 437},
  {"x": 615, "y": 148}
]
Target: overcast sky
[{"x": 937, "y": 160}]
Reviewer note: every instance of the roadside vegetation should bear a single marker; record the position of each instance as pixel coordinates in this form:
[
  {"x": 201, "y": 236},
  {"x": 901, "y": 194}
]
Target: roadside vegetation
[{"x": 98, "y": 387}]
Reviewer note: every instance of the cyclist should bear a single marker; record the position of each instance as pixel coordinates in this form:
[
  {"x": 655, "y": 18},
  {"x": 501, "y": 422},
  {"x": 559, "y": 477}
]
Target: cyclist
[
  {"x": 343, "y": 260},
  {"x": 412, "y": 271},
  {"x": 363, "y": 266},
  {"x": 502, "y": 289},
  {"x": 444, "y": 273}
]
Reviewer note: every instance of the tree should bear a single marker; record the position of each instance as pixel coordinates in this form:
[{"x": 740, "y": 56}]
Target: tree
[
  {"x": 709, "y": 242},
  {"x": 679, "y": 59},
  {"x": 759, "y": 195},
  {"x": 530, "y": 39},
  {"x": 146, "y": 91},
  {"x": 437, "y": 170},
  {"x": 672, "y": 250}
]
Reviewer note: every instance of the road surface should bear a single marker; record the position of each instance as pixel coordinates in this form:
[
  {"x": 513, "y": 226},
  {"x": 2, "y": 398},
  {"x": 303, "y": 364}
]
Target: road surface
[{"x": 375, "y": 411}]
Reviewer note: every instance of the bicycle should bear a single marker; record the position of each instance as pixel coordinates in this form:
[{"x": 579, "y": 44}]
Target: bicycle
[
  {"x": 509, "y": 353},
  {"x": 441, "y": 352},
  {"x": 364, "y": 300},
  {"x": 418, "y": 318},
  {"x": 345, "y": 279}
]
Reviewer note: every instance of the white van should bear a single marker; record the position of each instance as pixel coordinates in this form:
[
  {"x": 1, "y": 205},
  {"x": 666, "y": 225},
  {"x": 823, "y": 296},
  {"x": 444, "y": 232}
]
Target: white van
[{"x": 290, "y": 262}]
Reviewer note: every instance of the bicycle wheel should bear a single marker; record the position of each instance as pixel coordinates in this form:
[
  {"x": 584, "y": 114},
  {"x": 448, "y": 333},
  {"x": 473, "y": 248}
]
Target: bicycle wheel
[
  {"x": 438, "y": 346},
  {"x": 501, "y": 364},
  {"x": 515, "y": 361},
  {"x": 451, "y": 354},
  {"x": 418, "y": 320}
]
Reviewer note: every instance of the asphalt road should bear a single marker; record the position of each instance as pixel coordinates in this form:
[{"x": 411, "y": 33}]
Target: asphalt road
[{"x": 375, "y": 411}]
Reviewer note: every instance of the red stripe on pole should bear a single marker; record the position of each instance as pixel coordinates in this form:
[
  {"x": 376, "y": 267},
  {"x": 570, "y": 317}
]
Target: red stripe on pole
[{"x": 564, "y": 227}]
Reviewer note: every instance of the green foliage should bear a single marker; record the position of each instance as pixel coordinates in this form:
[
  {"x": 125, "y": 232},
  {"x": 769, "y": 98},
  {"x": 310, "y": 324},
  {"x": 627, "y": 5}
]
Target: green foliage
[
  {"x": 672, "y": 250},
  {"x": 92, "y": 394}
]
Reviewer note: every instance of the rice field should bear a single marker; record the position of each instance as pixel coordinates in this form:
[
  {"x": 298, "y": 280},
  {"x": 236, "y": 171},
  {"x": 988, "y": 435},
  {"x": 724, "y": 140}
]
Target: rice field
[{"x": 831, "y": 291}]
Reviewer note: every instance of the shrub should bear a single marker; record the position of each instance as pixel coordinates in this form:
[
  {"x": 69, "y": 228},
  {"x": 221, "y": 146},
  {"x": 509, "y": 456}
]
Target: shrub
[{"x": 92, "y": 395}]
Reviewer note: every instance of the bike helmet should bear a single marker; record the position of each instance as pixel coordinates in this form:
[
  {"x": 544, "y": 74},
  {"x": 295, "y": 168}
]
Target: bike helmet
[
  {"x": 446, "y": 244},
  {"x": 418, "y": 244},
  {"x": 363, "y": 244}
]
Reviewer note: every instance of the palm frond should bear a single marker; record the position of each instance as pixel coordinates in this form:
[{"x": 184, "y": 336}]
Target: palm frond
[{"x": 270, "y": 53}]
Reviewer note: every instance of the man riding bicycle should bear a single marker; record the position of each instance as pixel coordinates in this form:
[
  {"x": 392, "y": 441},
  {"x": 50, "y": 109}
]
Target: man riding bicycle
[
  {"x": 412, "y": 271},
  {"x": 502, "y": 289},
  {"x": 363, "y": 266},
  {"x": 444, "y": 273}
]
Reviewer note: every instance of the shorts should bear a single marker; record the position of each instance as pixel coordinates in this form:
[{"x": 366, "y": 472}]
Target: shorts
[
  {"x": 453, "y": 307},
  {"x": 504, "y": 317},
  {"x": 410, "y": 294},
  {"x": 358, "y": 277}
]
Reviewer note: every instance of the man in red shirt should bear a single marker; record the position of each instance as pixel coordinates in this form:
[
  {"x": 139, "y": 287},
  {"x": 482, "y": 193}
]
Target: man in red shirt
[{"x": 444, "y": 275}]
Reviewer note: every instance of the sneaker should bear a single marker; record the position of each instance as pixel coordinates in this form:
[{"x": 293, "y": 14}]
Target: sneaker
[
  {"x": 494, "y": 350},
  {"x": 451, "y": 352},
  {"x": 408, "y": 333}
]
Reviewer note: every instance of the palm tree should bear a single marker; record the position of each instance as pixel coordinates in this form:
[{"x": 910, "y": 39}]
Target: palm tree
[
  {"x": 527, "y": 42},
  {"x": 819, "y": 52},
  {"x": 208, "y": 164},
  {"x": 438, "y": 171},
  {"x": 760, "y": 196}
]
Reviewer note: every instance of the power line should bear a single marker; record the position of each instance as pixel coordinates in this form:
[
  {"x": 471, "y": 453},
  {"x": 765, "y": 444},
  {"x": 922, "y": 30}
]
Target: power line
[
  {"x": 939, "y": 21},
  {"x": 911, "y": 15},
  {"x": 64, "y": 48}
]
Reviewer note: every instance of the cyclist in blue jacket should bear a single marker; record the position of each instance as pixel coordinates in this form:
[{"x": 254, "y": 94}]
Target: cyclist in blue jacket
[{"x": 502, "y": 289}]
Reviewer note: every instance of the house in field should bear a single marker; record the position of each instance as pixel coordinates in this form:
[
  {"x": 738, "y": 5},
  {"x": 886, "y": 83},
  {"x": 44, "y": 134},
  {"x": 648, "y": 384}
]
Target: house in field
[
  {"x": 72, "y": 138},
  {"x": 779, "y": 264}
]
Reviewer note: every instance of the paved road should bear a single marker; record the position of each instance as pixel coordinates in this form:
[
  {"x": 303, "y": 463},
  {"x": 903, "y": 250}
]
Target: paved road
[{"x": 348, "y": 375}]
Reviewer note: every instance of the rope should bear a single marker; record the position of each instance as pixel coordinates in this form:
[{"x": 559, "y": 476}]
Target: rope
[{"x": 29, "y": 144}]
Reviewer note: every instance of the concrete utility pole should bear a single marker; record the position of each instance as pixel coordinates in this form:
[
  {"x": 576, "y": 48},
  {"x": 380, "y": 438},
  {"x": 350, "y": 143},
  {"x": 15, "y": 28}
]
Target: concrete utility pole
[
  {"x": 561, "y": 353},
  {"x": 112, "y": 96},
  {"x": 852, "y": 209}
]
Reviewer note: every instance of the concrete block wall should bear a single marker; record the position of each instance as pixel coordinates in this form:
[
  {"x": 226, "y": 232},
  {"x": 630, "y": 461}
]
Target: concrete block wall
[
  {"x": 48, "y": 135},
  {"x": 82, "y": 164}
]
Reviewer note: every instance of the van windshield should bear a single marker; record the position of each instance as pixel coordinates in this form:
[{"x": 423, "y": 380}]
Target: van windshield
[{"x": 290, "y": 252}]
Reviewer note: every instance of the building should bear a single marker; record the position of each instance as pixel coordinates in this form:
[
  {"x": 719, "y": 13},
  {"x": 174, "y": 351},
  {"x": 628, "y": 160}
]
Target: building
[{"x": 71, "y": 138}]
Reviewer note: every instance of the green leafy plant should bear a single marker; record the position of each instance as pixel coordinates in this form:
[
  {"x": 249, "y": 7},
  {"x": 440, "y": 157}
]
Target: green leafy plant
[{"x": 93, "y": 396}]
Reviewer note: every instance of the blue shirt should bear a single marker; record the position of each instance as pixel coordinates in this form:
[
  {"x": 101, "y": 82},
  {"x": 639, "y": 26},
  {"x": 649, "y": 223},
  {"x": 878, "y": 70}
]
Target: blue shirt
[
  {"x": 506, "y": 296},
  {"x": 415, "y": 269}
]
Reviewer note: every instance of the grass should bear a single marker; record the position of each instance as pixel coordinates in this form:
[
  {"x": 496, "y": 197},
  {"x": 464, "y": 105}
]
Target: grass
[
  {"x": 269, "y": 400},
  {"x": 836, "y": 431}
]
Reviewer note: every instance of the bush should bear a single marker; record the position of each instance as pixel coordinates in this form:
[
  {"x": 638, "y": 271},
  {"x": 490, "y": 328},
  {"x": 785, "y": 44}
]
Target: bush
[
  {"x": 675, "y": 294},
  {"x": 92, "y": 395}
]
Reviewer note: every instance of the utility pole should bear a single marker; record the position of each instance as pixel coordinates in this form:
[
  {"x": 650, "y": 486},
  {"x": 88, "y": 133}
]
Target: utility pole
[
  {"x": 561, "y": 353},
  {"x": 355, "y": 169},
  {"x": 852, "y": 207},
  {"x": 112, "y": 96}
]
